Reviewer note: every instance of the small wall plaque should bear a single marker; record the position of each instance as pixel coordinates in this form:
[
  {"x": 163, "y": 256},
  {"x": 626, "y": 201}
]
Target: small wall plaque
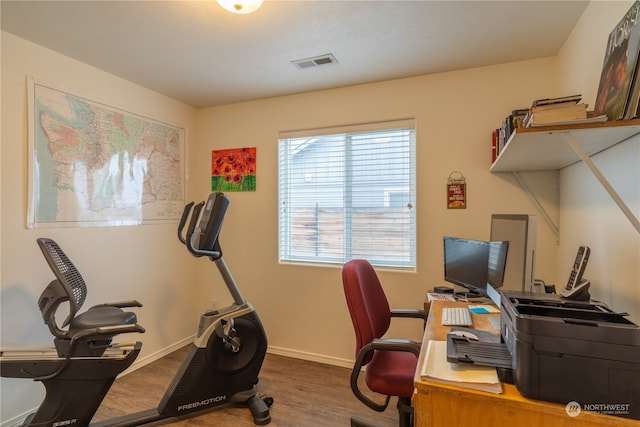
[{"x": 456, "y": 191}]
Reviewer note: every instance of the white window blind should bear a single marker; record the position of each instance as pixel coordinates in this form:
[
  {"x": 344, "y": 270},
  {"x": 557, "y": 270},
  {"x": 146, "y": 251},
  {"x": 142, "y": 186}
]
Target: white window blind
[{"x": 347, "y": 193}]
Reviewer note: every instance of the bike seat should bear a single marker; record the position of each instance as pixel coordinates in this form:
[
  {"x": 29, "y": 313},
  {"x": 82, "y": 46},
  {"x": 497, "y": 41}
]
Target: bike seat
[{"x": 100, "y": 317}]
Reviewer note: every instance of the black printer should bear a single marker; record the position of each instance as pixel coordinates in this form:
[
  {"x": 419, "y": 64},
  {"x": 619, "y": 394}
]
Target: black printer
[{"x": 572, "y": 351}]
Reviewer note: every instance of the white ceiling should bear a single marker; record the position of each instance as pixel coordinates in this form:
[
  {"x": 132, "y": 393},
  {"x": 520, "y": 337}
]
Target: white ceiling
[{"x": 200, "y": 54}]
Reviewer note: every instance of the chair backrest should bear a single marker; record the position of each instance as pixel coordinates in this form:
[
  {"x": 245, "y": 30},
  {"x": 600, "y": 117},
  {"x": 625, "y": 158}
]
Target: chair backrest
[
  {"x": 368, "y": 305},
  {"x": 69, "y": 286}
]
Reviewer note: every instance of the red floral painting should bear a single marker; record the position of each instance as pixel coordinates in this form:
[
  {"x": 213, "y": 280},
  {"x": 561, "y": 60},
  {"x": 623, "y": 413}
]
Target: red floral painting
[{"x": 233, "y": 169}]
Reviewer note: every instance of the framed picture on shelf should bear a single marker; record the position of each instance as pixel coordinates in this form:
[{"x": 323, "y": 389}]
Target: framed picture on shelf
[{"x": 619, "y": 91}]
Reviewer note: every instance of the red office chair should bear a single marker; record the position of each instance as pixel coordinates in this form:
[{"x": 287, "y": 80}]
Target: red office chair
[{"x": 390, "y": 363}]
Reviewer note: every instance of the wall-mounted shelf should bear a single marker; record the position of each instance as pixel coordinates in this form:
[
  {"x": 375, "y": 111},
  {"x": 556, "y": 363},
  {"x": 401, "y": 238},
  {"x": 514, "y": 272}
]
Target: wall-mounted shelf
[
  {"x": 556, "y": 147},
  {"x": 545, "y": 148}
]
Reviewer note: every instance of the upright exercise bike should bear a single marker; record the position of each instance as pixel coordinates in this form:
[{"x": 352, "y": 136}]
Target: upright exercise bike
[{"x": 221, "y": 366}]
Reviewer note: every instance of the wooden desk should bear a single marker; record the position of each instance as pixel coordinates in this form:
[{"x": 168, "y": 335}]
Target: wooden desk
[{"x": 439, "y": 405}]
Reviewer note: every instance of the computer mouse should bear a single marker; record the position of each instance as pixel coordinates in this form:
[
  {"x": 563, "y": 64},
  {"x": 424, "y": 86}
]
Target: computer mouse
[{"x": 465, "y": 334}]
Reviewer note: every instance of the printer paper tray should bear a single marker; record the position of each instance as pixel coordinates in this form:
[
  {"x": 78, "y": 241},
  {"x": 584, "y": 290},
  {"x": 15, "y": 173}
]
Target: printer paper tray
[{"x": 461, "y": 349}]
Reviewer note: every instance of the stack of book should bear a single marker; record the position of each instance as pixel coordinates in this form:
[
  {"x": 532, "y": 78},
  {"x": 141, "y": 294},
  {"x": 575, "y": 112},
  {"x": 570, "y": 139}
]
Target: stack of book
[
  {"x": 556, "y": 111},
  {"x": 543, "y": 112}
]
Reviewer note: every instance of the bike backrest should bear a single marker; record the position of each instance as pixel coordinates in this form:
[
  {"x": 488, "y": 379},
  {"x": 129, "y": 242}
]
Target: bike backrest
[{"x": 68, "y": 286}]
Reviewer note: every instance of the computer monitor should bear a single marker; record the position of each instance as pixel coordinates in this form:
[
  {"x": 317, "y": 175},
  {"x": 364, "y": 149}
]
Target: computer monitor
[
  {"x": 466, "y": 263},
  {"x": 476, "y": 265}
]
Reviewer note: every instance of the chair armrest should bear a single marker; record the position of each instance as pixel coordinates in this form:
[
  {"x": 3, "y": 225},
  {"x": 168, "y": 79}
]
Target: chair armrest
[
  {"x": 121, "y": 304},
  {"x": 108, "y": 331},
  {"x": 355, "y": 374},
  {"x": 121, "y": 329},
  {"x": 392, "y": 344},
  {"x": 382, "y": 344},
  {"x": 410, "y": 313}
]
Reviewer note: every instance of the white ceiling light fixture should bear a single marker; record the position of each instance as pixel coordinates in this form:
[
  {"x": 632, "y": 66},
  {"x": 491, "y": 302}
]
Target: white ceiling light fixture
[{"x": 242, "y": 7}]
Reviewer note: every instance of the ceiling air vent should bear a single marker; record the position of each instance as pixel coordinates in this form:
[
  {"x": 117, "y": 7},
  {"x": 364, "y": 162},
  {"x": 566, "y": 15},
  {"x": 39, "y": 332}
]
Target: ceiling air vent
[{"x": 315, "y": 61}]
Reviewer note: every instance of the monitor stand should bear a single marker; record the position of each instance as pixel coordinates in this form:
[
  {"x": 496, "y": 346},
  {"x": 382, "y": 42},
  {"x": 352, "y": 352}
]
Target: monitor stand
[{"x": 469, "y": 294}]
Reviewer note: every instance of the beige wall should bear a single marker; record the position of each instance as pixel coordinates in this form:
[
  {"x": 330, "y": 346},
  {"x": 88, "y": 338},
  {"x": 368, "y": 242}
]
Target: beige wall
[
  {"x": 302, "y": 307},
  {"x": 118, "y": 263},
  {"x": 588, "y": 215}
]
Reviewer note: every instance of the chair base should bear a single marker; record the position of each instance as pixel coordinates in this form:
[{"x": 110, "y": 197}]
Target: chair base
[
  {"x": 405, "y": 411},
  {"x": 359, "y": 422},
  {"x": 405, "y": 415}
]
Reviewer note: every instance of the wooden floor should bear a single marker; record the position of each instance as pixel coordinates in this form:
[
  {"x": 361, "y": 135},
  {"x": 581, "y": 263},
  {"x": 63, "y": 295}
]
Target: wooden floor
[{"x": 305, "y": 394}]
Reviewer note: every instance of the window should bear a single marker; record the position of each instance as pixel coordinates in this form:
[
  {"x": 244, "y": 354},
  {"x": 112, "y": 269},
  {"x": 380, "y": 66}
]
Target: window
[{"x": 348, "y": 193}]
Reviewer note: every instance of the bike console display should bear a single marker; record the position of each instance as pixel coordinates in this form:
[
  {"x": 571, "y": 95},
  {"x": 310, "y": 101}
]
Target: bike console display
[
  {"x": 211, "y": 222},
  {"x": 202, "y": 239}
]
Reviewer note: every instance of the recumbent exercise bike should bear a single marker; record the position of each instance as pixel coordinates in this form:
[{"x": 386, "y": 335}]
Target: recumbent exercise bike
[{"x": 220, "y": 368}]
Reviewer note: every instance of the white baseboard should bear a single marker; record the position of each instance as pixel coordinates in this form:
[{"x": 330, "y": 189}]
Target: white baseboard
[
  {"x": 150, "y": 358},
  {"x": 312, "y": 357}
]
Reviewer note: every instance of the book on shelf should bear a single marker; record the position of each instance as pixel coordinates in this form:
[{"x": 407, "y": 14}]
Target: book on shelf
[
  {"x": 517, "y": 118},
  {"x": 562, "y": 113},
  {"x": 631, "y": 109},
  {"x": 550, "y": 107},
  {"x": 615, "y": 97},
  {"x": 494, "y": 145},
  {"x": 592, "y": 119},
  {"x": 436, "y": 368},
  {"x": 501, "y": 135},
  {"x": 554, "y": 102}
]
